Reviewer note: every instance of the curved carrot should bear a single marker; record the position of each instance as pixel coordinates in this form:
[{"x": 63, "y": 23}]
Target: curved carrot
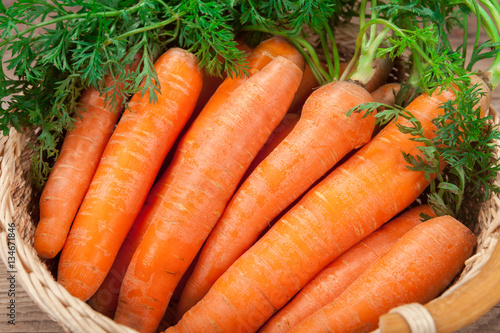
[
  {"x": 126, "y": 172},
  {"x": 337, "y": 276},
  {"x": 323, "y": 135},
  {"x": 416, "y": 269},
  {"x": 105, "y": 299},
  {"x": 70, "y": 178},
  {"x": 212, "y": 157},
  {"x": 354, "y": 200}
]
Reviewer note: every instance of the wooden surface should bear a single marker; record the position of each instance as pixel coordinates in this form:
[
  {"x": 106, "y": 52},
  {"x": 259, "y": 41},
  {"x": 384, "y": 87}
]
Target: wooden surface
[{"x": 30, "y": 318}]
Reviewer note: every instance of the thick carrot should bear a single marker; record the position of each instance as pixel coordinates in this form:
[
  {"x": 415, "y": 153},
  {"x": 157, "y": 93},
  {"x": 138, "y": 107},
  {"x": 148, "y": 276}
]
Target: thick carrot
[
  {"x": 212, "y": 157},
  {"x": 323, "y": 135},
  {"x": 105, "y": 299},
  {"x": 126, "y": 172},
  {"x": 358, "y": 197},
  {"x": 70, "y": 178},
  {"x": 337, "y": 276},
  {"x": 308, "y": 84},
  {"x": 259, "y": 57},
  {"x": 381, "y": 95},
  {"x": 416, "y": 269}
]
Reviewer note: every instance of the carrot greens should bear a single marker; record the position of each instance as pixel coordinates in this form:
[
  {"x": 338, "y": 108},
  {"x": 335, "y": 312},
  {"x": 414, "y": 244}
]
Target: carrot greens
[
  {"x": 465, "y": 138},
  {"x": 60, "y": 47}
]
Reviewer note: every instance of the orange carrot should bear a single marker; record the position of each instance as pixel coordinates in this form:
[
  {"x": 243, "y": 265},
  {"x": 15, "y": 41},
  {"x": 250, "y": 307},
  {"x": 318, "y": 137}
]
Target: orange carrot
[
  {"x": 358, "y": 197},
  {"x": 212, "y": 157},
  {"x": 381, "y": 95},
  {"x": 416, "y": 269},
  {"x": 105, "y": 299},
  {"x": 279, "y": 134},
  {"x": 308, "y": 84},
  {"x": 257, "y": 59},
  {"x": 210, "y": 85},
  {"x": 387, "y": 93},
  {"x": 337, "y": 276},
  {"x": 323, "y": 135},
  {"x": 70, "y": 178},
  {"x": 126, "y": 172}
]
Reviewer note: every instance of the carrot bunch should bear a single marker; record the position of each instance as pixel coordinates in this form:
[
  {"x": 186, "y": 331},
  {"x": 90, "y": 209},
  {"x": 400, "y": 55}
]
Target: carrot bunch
[{"x": 291, "y": 201}]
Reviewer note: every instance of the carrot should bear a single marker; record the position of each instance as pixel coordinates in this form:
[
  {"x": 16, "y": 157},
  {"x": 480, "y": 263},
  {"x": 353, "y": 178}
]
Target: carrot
[
  {"x": 337, "y": 276},
  {"x": 323, "y": 135},
  {"x": 211, "y": 159},
  {"x": 105, "y": 300},
  {"x": 387, "y": 93},
  {"x": 416, "y": 269},
  {"x": 70, "y": 178},
  {"x": 126, "y": 172},
  {"x": 308, "y": 84},
  {"x": 382, "y": 67},
  {"x": 210, "y": 85},
  {"x": 277, "y": 136},
  {"x": 354, "y": 200}
]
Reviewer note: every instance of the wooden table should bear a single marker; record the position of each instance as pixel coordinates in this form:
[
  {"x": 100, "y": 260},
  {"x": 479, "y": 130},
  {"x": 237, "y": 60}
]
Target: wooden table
[{"x": 30, "y": 318}]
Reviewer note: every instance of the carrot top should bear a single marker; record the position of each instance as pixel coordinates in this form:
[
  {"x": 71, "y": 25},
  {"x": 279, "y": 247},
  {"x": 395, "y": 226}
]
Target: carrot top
[{"x": 465, "y": 139}]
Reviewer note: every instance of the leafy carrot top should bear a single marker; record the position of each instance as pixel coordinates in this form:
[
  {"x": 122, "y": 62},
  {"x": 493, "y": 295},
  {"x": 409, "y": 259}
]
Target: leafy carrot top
[
  {"x": 466, "y": 139},
  {"x": 61, "y": 47}
]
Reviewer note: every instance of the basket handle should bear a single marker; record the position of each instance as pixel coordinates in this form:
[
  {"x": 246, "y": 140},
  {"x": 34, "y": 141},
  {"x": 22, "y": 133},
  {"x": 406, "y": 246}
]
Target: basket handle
[{"x": 460, "y": 308}]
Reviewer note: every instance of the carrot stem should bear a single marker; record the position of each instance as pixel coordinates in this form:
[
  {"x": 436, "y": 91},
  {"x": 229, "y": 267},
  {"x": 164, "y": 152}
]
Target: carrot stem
[
  {"x": 336, "y": 61},
  {"x": 311, "y": 57}
]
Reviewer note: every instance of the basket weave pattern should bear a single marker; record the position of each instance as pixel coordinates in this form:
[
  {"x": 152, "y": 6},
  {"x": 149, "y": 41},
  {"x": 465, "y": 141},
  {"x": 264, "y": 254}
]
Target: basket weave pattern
[{"x": 18, "y": 205}]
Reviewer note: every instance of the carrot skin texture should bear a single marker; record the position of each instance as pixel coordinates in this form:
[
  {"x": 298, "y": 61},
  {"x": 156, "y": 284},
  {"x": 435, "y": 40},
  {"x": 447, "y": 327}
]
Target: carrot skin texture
[
  {"x": 277, "y": 136},
  {"x": 73, "y": 171},
  {"x": 210, "y": 85},
  {"x": 354, "y": 200},
  {"x": 126, "y": 172},
  {"x": 323, "y": 135},
  {"x": 211, "y": 160},
  {"x": 105, "y": 299},
  {"x": 338, "y": 275},
  {"x": 307, "y": 86},
  {"x": 416, "y": 269},
  {"x": 387, "y": 93}
]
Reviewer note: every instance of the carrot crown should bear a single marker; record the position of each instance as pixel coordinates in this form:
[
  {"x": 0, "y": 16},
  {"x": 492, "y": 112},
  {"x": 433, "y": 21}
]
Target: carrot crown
[{"x": 465, "y": 138}]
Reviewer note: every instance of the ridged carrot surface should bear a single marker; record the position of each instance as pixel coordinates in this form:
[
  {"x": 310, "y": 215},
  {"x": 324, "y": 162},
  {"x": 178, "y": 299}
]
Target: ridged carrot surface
[
  {"x": 212, "y": 157},
  {"x": 416, "y": 269},
  {"x": 323, "y": 135},
  {"x": 337, "y": 276},
  {"x": 105, "y": 299},
  {"x": 277, "y": 136},
  {"x": 126, "y": 172},
  {"x": 77, "y": 162},
  {"x": 357, "y": 198}
]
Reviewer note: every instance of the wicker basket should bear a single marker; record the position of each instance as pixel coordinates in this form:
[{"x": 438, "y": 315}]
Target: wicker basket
[{"x": 476, "y": 291}]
